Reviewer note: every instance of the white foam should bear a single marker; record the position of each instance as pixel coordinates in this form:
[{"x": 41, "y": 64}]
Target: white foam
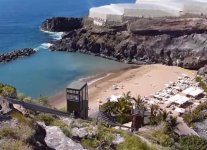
[
  {"x": 46, "y": 45},
  {"x": 43, "y": 46},
  {"x": 54, "y": 35}
]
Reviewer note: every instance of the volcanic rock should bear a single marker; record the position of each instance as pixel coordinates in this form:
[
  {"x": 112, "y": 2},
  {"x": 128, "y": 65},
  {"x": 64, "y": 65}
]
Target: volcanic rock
[{"x": 61, "y": 24}]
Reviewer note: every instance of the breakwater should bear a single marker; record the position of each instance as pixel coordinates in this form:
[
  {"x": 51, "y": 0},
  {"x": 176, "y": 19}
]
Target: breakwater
[{"x": 7, "y": 57}]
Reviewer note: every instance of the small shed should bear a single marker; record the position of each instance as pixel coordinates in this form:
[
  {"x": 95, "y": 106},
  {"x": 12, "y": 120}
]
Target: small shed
[{"x": 77, "y": 99}]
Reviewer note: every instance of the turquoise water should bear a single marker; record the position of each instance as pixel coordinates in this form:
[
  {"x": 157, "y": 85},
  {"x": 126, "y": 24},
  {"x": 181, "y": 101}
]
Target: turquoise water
[{"x": 44, "y": 73}]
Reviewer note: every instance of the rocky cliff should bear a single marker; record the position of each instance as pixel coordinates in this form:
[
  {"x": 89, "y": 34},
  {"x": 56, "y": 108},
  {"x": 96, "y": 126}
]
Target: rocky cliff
[
  {"x": 171, "y": 41},
  {"x": 61, "y": 24}
]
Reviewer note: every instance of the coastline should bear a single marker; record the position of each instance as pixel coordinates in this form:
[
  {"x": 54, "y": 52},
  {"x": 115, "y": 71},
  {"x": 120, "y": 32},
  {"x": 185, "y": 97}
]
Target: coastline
[
  {"x": 59, "y": 99},
  {"x": 141, "y": 80}
]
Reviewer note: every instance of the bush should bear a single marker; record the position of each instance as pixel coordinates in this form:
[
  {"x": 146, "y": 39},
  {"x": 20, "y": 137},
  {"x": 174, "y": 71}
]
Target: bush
[
  {"x": 122, "y": 110},
  {"x": 46, "y": 118},
  {"x": 196, "y": 115},
  {"x": 193, "y": 143},
  {"x": 24, "y": 132},
  {"x": 7, "y": 132},
  {"x": 8, "y": 91},
  {"x": 105, "y": 136},
  {"x": 133, "y": 142},
  {"x": 43, "y": 101},
  {"x": 21, "y": 96},
  {"x": 162, "y": 138},
  {"x": 22, "y": 119},
  {"x": 15, "y": 145},
  {"x": 202, "y": 84},
  {"x": 90, "y": 144}
]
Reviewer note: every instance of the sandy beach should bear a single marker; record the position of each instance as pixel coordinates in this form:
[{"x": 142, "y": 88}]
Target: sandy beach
[{"x": 144, "y": 81}]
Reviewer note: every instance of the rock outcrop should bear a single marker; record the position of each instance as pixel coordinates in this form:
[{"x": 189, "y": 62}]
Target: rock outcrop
[
  {"x": 203, "y": 72},
  {"x": 16, "y": 54},
  {"x": 5, "y": 106},
  {"x": 172, "y": 41},
  {"x": 56, "y": 139},
  {"x": 61, "y": 24}
]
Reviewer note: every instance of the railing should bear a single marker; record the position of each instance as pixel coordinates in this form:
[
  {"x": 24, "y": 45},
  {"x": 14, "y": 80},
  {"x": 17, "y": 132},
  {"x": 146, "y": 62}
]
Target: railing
[
  {"x": 39, "y": 108},
  {"x": 110, "y": 120}
]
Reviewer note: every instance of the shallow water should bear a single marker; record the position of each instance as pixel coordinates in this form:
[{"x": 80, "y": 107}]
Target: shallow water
[{"x": 44, "y": 73}]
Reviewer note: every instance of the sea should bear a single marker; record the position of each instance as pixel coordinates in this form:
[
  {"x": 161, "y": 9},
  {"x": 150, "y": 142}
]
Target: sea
[{"x": 45, "y": 73}]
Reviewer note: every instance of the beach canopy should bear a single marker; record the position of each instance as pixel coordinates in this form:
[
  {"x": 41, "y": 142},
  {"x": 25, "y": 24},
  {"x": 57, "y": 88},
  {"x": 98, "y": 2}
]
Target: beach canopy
[
  {"x": 193, "y": 91},
  {"x": 179, "y": 99},
  {"x": 114, "y": 98}
]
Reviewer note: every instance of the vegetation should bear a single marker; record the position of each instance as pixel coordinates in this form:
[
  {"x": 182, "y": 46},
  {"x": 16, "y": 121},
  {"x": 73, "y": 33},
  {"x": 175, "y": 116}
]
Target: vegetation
[
  {"x": 123, "y": 107},
  {"x": 18, "y": 137},
  {"x": 103, "y": 140},
  {"x": 197, "y": 115},
  {"x": 202, "y": 84},
  {"x": 8, "y": 91},
  {"x": 193, "y": 143},
  {"x": 6, "y": 132},
  {"x": 163, "y": 138},
  {"x": 133, "y": 142},
  {"x": 13, "y": 144},
  {"x": 158, "y": 116}
]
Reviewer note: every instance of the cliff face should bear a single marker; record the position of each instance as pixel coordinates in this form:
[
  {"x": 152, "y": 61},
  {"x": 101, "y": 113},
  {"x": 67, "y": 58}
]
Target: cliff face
[
  {"x": 61, "y": 24},
  {"x": 175, "y": 41}
]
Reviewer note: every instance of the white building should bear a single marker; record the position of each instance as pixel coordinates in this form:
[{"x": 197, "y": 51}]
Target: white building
[
  {"x": 147, "y": 9},
  {"x": 196, "y": 7},
  {"x": 116, "y": 12}
]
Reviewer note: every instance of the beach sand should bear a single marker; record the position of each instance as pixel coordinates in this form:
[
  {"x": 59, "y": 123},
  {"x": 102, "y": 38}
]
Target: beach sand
[{"x": 144, "y": 81}]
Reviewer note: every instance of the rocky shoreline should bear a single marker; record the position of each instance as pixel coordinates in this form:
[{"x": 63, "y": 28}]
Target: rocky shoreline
[
  {"x": 171, "y": 41},
  {"x": 4, "y": 58}
]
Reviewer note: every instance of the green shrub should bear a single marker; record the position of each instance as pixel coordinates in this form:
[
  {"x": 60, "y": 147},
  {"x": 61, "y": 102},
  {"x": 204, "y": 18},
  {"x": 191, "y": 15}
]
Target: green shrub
[
  {"x": 22, "y": 119},
  {"x": 46, "y": 118},
  {"x": 105, "y": 136},
  {"x": 133, "y": 142},
  {"x": 24, "y": 132},
  {"x": 43, "y": 101},
  {"x": 7, "y": 132},
  {"x": 196, "y": 115},
  {"x": 21, "y": 96},
  {"x": 122, "y": 110},
  {"x": 193, "y": 143},
  {"x": 90, "y": 144},
  {"x": 163, "y": 138},
  {"x": 12, "y": 144},
  {"x": 8, "y": 91},
  {"x": 202, "y": 84}
]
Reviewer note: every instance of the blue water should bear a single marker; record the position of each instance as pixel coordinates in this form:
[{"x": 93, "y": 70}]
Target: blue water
[{"x": 44, "y": 73}]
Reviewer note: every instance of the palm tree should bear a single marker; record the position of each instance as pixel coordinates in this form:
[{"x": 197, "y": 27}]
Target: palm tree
[
  {"x": 138, "y": 102},
  {"x": 127, "y": 96}
]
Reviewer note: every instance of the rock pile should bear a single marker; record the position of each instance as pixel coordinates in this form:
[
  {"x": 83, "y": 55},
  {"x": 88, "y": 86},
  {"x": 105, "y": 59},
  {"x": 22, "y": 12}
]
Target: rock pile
[{"x": 16, "y": 54}]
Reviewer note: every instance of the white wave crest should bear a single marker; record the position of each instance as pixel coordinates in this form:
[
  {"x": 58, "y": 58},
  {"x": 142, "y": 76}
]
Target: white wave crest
[
  {"x": 43, "y": 46},
  {"x": 54, "y": 35}
]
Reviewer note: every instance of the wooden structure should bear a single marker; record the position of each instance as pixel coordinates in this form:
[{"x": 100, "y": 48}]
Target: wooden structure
[
  {"x": 137, "y": 118},
  {"x": 77, "y": 99}
]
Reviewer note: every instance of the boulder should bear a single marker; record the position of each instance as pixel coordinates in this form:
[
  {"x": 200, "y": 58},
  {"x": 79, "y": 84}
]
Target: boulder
[
  {"x": 56, "y": 139},
  {"x": 84, "y": 132},
  {"x": 203, "y": 71},
  {"x": 5, "y": 106}
]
